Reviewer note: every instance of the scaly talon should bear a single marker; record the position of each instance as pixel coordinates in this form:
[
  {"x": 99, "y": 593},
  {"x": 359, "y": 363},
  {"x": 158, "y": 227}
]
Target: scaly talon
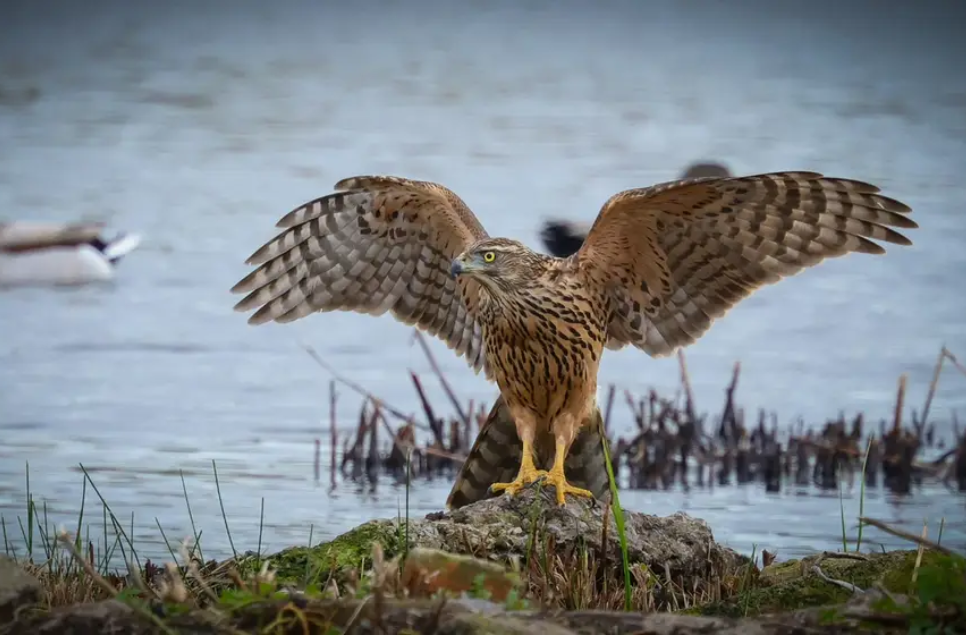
[
  {"x": 522, "y": 480},
  {"x": 528, "y": 474},
  {"x": 556, "y": 476},
  {"x": 559, "y": 481}
]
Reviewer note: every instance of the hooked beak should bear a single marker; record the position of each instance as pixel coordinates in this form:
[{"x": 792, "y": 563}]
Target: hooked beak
[{"x": 456, "y": 268}]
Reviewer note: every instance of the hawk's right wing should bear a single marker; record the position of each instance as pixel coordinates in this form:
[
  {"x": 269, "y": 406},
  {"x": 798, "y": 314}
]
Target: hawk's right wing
[{"x": 380, "y": 244}]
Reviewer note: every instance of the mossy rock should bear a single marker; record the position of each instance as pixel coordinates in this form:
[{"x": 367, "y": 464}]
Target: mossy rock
[
  {"x": 791, "y": 585},
  {"x": 505, "y": 529},
  {"x": 313, "y": 565}
]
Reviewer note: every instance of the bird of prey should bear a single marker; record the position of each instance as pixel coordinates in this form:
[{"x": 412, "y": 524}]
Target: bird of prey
[
  {"x": 563, "y": 237},
  {"x": 659, "y": 265}
]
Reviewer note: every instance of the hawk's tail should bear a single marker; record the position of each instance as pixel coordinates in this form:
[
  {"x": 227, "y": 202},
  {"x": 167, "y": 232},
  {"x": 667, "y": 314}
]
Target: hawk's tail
[{"x": 495, "y": 458}]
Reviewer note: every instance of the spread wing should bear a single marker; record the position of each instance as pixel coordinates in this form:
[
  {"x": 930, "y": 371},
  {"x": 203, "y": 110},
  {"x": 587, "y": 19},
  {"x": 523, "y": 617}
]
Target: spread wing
[
  {"x": 378, "y": 244},
  {"x": 678, "y": 255}
]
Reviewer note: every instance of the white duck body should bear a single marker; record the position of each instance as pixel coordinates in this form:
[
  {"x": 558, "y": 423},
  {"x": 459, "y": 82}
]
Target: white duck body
[{"x": 59, "y": 253}]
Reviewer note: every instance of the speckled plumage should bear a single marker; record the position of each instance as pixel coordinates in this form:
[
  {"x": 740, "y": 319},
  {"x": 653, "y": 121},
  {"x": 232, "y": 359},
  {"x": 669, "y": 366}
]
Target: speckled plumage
[{"x": 659, "y": 265}]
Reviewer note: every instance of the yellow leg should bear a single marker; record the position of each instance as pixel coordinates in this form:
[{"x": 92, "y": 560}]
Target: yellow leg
[
  {"x": 528, "y": 473},
  {"x": 556, "y": 477}
]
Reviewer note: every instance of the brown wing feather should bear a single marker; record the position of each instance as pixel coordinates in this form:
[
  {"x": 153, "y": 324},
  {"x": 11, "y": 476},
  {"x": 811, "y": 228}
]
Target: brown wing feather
[
  {"x": 379, "y": 244},
  {"x": 678, "y": 255}
]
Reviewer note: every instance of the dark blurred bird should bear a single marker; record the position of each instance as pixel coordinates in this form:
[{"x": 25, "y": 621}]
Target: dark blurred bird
[{"x": 564, "y": 237}]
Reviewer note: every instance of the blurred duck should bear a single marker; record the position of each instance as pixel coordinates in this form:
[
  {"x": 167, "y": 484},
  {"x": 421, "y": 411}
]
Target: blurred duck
[
  {"x": 59, "y": 253},
  {"x": 563, "y": 237}
]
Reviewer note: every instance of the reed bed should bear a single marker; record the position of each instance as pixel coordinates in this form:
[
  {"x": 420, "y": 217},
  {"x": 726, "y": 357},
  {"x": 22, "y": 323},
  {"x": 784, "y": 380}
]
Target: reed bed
[{"x": 672, "y": 445}]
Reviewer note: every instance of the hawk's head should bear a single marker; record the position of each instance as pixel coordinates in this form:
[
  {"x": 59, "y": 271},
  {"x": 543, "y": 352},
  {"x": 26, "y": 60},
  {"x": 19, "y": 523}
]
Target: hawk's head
[{"x": 499, "y": 264}]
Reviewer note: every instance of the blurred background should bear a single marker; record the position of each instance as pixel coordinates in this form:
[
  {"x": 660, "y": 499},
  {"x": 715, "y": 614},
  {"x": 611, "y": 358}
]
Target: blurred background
[{"x": 197, "y": 125}]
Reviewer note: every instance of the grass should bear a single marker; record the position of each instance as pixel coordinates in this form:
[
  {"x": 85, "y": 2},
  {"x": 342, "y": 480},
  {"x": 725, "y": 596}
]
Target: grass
[
  {"x": 84, "y": 570},
  {"x": 862, "y": 478},
  {"x": 619, "y": 521},
  {"x": 73, "y": 569}
]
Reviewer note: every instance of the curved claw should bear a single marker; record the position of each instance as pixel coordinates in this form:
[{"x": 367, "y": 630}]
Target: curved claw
[
  {"x": 524, "y": 478},
  {"x": 559, "y": 481}
]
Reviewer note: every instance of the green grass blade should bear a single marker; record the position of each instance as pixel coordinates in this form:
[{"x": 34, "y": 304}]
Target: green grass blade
[
  {"x": 845, "y": 541},
  {"x": 409, "y": 453},
  {"x": 191, "y": 518},
  {"x": 80, "y": 515},
  {"x": 7, "y": 547},
  {"x": 261, "y": 528},
  {"x": 164, "y": 537},
  {"x": 224, "y": 516},
  {"x": 118, "y": 528},
  {"x": 618, "y": 520},
  {"x": 29, "y": 536},
  {"x": 865, "y": 464}
]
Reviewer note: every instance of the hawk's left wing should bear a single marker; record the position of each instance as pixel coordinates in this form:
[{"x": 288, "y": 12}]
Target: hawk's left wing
[{"x": 678, "y": 255}]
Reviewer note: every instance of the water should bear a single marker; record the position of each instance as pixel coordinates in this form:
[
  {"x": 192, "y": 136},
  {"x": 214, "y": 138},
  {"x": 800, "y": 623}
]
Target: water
[{"x": 199, "y": 128}]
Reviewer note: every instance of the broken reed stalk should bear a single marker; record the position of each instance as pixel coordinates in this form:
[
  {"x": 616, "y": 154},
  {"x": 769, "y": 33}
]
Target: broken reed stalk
[
  {"x": 900, "y": 401},
  {"x": 933, "y": 385},
  {"x": 663, "y": 425},
  {"x": 899, "y": 533},
  {"x": 333, "y": 433},
  {"x": 442, "y": 378},
  {"x": 955, "y": 362},
  {"x": 728, "y": 422},
  {"x": 317, "y": 460},
  {"x": 396, "y": 412},
  {"x": 434, "y": 424},
  {"x": 686, "y": 383}
]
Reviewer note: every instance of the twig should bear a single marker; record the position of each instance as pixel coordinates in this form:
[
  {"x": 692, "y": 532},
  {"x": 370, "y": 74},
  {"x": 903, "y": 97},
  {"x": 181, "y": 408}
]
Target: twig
[
  {"x": 632, "y": 404},
  {"x": 442, "y": 378},
  {"x": 728, "y": 414},
  {"x": 899, "y": 533},
  {"x": 955, "y": 361},
  {"x": 394, "y": 436},
  {"x": 443, "y": 454},
  {"x": 848, "y": 586},
  {"x": 686, "y": 382},
  {"x": 900, "y": 400},
  {"x": 428, "y": 409},
  {"x": 333, "y": 432},
  {"x": 933, "y": 385},
  {"x": 399, "y": 414},
  {"x": 919, "y": 552}
]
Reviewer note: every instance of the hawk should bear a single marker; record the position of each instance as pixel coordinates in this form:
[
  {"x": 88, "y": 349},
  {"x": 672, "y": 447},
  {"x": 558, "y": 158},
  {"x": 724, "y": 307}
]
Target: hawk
[{"x": 658, "y": 266}]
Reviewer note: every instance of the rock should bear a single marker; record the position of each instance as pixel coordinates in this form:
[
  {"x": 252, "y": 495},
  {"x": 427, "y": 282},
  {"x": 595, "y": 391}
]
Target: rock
[
  {"x": 17, "y": 589},
  {"x": 364, "y": 617},
  {"x": 508, "y": 529},
  {"x": 82, "y": 619},
  {"x": 503, "y": 528},
  {"x": 793, "y": 585},
  {"x": 428, "y": 571}
]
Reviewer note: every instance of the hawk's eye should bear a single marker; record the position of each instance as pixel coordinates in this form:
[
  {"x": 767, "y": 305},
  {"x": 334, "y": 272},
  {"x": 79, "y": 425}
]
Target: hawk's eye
[{"x": 489, "y": 256}]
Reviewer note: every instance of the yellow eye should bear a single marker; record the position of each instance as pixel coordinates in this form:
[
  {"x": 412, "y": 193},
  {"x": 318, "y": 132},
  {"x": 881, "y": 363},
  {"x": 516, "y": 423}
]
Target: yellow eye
[{"x": 489, "y": 256}]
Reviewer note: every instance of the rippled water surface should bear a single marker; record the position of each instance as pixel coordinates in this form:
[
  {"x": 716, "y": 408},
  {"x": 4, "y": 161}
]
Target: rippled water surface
[{"x": 199, "y": 127}]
